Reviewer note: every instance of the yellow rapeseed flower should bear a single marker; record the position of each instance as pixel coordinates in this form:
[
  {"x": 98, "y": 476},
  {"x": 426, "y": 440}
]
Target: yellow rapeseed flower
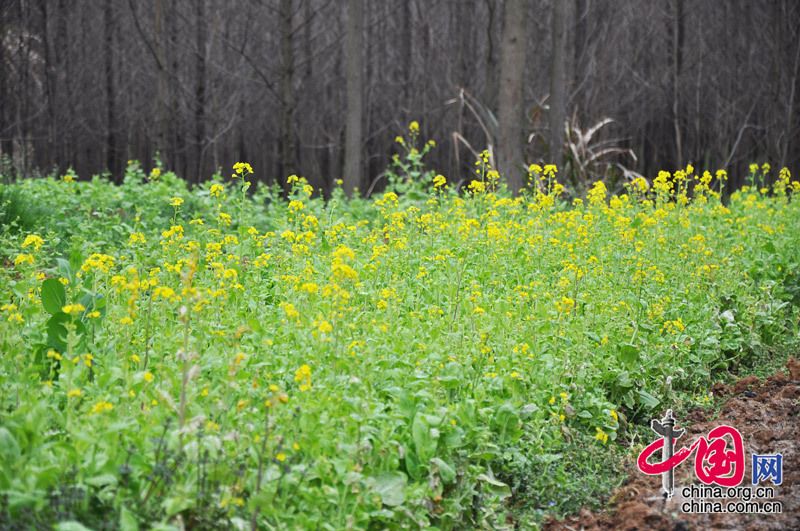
[
  {"x": 98, "y": 262},
  {"x": 74, "y": 393},
  {"x": 136, "y": 237},
  {"x": 73, "y": 309},
  {"x": 33, "y": 240},
  {"x": 242, "y": 168},
  {"x": 23, "y": 259},
  {"x": 216, "y": 189},
  {"x": 303, "y": 376},
  {"x": 102, "y": 407}
]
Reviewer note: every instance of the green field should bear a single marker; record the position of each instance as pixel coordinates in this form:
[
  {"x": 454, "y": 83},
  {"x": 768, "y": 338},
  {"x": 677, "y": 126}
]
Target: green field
[{"x": 219, "y": 356}]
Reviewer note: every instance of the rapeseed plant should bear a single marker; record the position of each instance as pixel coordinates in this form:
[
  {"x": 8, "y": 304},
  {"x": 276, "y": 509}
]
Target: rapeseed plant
[{"x": 345, "y": 363}]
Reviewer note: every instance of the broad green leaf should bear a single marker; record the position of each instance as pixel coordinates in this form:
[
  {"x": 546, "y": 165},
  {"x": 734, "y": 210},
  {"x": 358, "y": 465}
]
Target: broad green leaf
[
  {"x": 64, "y": 269},
  {"x": 102, "y": 480},
  {"x": 71, "y": 526},
  {"x": 175, "y": 504},
  {"x": 446, "y": 472},
  {"x": 57, "y": 331},
  {"x": 648, "y": 400},
  {"x": 496, "y": 487},
  {"x": 9, "y": 449},
  {"x": 424, "y": 442},
  {"x": 391, "y": 487},
  {"x": 506, "y": 422},
  {"x": 127, "y": 520},
  {"x": 53, "y": 296},
  {"x": 629, "y": 354}
]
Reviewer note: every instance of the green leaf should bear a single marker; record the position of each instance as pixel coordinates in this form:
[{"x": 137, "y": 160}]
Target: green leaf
[
  {"x": 413, "y": 466},
  {"x": 391, "y": 487},
  {"x": 628, "y": 353},
  {"x": 57, "y": 331},
  {"x": 446, "y": 472},
  {"x": 506, "y": 422},
  {"x": 454, "y": 438},
  {"x": 648, "y": 400},
  {"x": 628, "y": 399},
  {"x": 9, "y": 448},
  {"x": 93, "y": 301},
  {"x": 547, "y": 459},
  {"x": 424, "y": 442},
  {"x": 64, "y": 269},
  {"x": 102, "y": 480},
  {"x": 624, "y": 380},
  {"x": 71, "y": 526},
  {"x": 496, "y": 487},
  {"x": 53, "y": 296},
  {"x": 127, "y": 520},
  {"x": 594, "y": 337},
  {"x": 175, "y": 504},
  {"x": 20, "y": 500}
]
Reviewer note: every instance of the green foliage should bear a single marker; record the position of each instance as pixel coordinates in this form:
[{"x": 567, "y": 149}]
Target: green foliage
[
  {"x": 18, "y": 211},
  {"x": 216, "y": 356},
  {"x": 407, "y": 175}
]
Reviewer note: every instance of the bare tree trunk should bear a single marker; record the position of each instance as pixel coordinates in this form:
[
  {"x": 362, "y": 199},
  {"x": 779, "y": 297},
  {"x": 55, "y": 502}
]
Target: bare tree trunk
[
  {"x": 5, "y": 130},
  {"x": 162, "y": 112},
  {"x": 512, "y": 70},
  {"x": 558, "y": 83},
  {"x": 200, "y": 96},
  {"x": 111, "y": 115},
  {"x": 581, "y": 45},
  {"x": 788, "y": 131},
  {"x": 64, "y": 80},
  {"x": 354, "y": 123},
  {"x": 51, "y": 86},
  {"x": 177, "y": 126},
  {"x": 22, "y": 136},
  {"x": 308, "y": 15},
  {"x": 465, "y": 54},
  {"x": 677, "y": 48},
  {"x": 407, "y": 51},
  {"x": 490, "y": 95},
  {"x": 287, "y": 90}
]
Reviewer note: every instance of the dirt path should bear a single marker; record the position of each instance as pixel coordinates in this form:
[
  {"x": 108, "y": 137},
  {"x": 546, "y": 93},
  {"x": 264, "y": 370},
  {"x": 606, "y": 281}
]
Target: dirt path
[{"x": 767, "y": 413}]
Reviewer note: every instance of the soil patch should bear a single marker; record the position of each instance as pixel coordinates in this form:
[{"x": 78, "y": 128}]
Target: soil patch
[{"x": 767, "y": 413}]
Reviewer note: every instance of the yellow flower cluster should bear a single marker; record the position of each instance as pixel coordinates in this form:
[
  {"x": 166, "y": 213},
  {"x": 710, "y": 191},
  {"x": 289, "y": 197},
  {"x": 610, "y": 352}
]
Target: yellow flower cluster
[
  {"x": 102, "y": 407},
  {"x": 242, "y": 169},
  {"x": 98, "y": 262},
  {"x": 33, "y": 240},
  {"x": 303, "y": 376},
  {"x": 73, "y": 309}
]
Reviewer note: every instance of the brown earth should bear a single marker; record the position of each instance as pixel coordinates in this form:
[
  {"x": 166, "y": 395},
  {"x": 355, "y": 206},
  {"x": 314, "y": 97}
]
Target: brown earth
[{"x": 767, "y": 413}]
